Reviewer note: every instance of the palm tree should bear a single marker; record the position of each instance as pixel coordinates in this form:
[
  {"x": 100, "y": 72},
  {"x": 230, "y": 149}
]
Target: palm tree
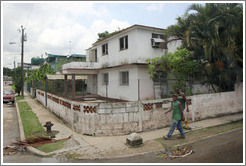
[{"x": 214, "y": 32}]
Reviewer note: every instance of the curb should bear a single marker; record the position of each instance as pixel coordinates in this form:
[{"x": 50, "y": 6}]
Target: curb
[
  {"x": 186, "y": 143},
  {"x": 22, "y": 135}
]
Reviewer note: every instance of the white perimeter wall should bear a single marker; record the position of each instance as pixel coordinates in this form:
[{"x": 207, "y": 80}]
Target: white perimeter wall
[{"x": 128, "y": 117}]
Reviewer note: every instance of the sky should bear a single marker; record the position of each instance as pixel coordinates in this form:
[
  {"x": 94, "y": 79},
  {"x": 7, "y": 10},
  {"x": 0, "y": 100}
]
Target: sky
[{"x": 64, "y": 27}]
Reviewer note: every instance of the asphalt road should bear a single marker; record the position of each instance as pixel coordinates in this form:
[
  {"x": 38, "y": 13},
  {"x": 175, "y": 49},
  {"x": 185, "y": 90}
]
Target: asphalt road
[
  {"x": 10, "y": 123},
  {"x": 224, "y": 148}
]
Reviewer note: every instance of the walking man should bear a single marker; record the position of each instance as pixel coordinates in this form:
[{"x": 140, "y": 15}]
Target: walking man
[{"x": 177, "y": 116}]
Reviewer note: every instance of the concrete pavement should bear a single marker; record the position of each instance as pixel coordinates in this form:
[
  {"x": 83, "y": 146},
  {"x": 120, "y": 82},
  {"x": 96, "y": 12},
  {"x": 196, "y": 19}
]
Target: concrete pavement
[{"x": 91, "y": 147}]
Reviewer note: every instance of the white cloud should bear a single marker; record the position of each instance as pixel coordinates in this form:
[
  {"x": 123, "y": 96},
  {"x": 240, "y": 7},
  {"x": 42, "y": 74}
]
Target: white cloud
[
  {"x": 101, "y": 25},
  {"x": 50, "y": 27},
  {"x": 155, "y": 7}
]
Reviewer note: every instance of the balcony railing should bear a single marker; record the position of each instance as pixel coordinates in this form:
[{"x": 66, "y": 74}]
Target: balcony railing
[{"x": 81, "y": 65}]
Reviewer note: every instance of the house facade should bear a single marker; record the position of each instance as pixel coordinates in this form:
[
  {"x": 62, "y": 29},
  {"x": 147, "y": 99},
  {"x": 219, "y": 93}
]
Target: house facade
[{"x": 116, "y": 66}]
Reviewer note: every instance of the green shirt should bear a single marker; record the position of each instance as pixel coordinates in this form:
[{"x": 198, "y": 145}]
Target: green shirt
[{"x": 176, "y": 111}]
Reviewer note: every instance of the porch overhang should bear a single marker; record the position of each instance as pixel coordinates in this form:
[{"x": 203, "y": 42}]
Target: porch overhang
[
  {"x": 78, "y": 71},
  {"x": 69, "y": 77}
]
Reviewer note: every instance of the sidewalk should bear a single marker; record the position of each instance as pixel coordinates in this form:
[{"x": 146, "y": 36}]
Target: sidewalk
[{"x": 90, "y": 147}]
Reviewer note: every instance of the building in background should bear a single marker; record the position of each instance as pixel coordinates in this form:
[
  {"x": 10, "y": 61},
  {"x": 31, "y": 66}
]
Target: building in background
[
  {"x": 7, "y": 80},
  {"x": 26, "y": 66},
  {"x": 57, "y": 61}
]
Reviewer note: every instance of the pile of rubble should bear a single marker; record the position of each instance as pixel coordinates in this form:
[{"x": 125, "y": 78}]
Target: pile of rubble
[
  {"x": 35, "y": 141},
  {"x": 9, "y": 150},
  {"x": 178, "y": 152}
]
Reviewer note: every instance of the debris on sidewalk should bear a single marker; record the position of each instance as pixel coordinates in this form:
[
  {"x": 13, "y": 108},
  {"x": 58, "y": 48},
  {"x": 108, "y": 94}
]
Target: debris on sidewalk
[
  {"x": 37, "y": 141},
  {"x": 179, "y": 152},
  {"x": 9, "y": 150}
]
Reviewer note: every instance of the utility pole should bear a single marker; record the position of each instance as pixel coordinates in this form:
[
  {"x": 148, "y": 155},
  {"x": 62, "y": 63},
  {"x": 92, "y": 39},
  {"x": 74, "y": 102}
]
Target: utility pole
[
  {"x": 23, "y": 39},
  {"x": 22, "y": 58}
]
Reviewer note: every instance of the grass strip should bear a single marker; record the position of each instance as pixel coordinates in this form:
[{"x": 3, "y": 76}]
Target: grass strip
[
  {"x": 30, "y": 122},
  {"x": 51, "y": 147},
  {"x": 32, "y": 128},
  {"x": 17, "y": 98}
]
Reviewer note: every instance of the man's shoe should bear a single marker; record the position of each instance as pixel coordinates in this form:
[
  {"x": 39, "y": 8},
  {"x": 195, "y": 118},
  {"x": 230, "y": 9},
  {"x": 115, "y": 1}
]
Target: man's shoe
[
  {"x": 181, "y": 137},
  {"x": 166, "y": 138}
]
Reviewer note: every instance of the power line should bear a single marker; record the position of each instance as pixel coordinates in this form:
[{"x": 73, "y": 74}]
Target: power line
[{"x": 28, "y": 18}]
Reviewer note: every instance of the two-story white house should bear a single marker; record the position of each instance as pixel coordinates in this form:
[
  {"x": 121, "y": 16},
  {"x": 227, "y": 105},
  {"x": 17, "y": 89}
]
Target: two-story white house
[{"x": 116, "y": 66}]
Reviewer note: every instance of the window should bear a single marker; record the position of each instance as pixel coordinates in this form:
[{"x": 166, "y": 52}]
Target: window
[
  {"x": 105, "y": 79},
  {"x": 156, "y": 40},
  {"x": 124, "y": 78},
  {"x": 95, "y": 55},
  {"x": 105, "y": 49},
  {"x": 124, "y": 43},
  {"x": 158, "y": 36}
]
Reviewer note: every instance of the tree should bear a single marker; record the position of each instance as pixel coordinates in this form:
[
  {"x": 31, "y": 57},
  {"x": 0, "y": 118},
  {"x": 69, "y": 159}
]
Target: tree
[
  {"x": 214, "y": 33},
  {"x": 17, "y": 80},
  {"x": 103, "y": 35},
  {"x": 39, "y": 75},
  {"x": 7, "y": 71},
  {"x": 178, "y": 66}
]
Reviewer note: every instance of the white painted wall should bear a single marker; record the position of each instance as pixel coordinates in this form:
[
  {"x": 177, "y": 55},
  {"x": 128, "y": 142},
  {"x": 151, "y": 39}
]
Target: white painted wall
[
  {"x": 92, "y": 84},
  {"x": 173, "y": 45},
  {"x": 131, "y": 92},
  {"x": 115, "y": 90},
  {"x": 139, "y": 49},
  {"x": 116, "y": 56},
  {"x": 146, "y": 84},
  {"x": 144, "y": 48}
]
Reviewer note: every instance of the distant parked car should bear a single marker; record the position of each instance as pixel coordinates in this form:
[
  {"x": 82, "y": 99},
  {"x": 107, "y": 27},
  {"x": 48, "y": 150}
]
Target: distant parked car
[{"x": 8, "y": 96}]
